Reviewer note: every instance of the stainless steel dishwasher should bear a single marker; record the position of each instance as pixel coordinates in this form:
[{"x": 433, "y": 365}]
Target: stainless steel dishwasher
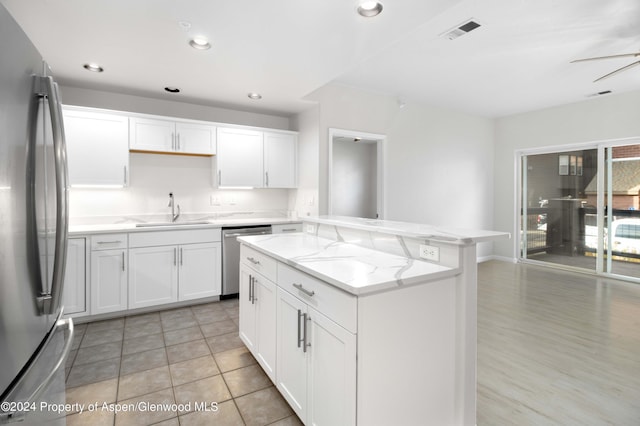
[{"x": 231, "y": 256}]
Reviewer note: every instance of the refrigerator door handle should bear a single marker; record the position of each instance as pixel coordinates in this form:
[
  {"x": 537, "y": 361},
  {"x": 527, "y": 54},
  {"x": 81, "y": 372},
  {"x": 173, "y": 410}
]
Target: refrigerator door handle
[
  {"x": 18, "y": 416},
  {"x": 51, "y": 301}
]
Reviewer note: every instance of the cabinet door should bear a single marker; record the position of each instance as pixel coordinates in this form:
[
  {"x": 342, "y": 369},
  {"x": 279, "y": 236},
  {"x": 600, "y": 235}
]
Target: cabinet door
[
  {"x": 200, "y": 274},
  {"x": 240, "y": 158},
  {"x": 291, "y": 364},
  {"x": 247, "y": 320},
  {"x": 151, "y": 135},
  {"x": 153, "y": 276},
  {"x": 265, "y": 317},
  {"x": 74, "y": 291},
  {"x": 332, "y": 373},
  {"x": 108, "y": 281},
  {"x": 280, "y": 160},
  {"x": 97, "y": 148},
  {"x": 195, "y": 138}
]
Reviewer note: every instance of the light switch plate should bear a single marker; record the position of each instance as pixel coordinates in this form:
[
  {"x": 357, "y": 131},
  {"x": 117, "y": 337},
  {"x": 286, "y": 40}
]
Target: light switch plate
[{"x": 430, "y": 252}]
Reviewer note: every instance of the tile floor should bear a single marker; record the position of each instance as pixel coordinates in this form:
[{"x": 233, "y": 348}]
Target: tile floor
[{"x": 180, "y": 356}]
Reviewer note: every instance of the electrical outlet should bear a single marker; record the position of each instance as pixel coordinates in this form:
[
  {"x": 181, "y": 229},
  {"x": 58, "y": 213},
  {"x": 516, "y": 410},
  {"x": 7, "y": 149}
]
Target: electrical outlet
[
  {"x": 311, "y": 229},
  {"x": 430, "y": 252},
  {"x": 214, "y": 200}
]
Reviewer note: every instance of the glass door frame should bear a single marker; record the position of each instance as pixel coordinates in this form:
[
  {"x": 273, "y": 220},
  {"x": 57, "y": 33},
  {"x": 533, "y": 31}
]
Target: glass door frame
[{"x": 603, "y": 163}]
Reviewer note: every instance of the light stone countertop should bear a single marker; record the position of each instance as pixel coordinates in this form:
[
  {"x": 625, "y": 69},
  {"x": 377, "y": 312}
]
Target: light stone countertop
[
  {"x": 352, "y": 268},
  {"x": 129, "y": 225},
  {"x": 411, "y": 230}
]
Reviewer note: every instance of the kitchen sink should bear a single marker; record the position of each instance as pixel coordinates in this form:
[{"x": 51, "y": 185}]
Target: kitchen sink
[{"x": 152, "y": 224}]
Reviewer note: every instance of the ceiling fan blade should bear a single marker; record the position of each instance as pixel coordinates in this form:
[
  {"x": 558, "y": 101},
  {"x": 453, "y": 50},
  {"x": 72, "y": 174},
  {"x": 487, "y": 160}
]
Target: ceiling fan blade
[
  {"x": 597, "y": 58},
  {"x": 619, "y": 70}
]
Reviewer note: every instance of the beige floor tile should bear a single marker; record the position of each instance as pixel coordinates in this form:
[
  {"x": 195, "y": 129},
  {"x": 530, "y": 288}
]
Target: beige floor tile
[
  {"x": 101, "y": 337},
  {"x": 142, "y": 329},
  {"x": 98, "y": 353},
  {"x": 234, "y": 358},
  {"x": 182, "y": 335},
  {"x": 211, "y": 315},
  {"x": 142, "y": 319},
  {"x": 246, "y": 380},
  {"x": 188, "y": 350},
  {"x": 224, "y": 342},
  {"x": 144, "y": 382},
  {"x": 207, "y": 391},
  {"x": 193, "y": 369},
  {"x": 142, "y": 343},
  {"x": 111, "y": 324},
  {"x": 91, "y": 418},
  {"x": 143, "y": 361},
  {"x": 225, "y": 414},
  {"x": 289, "y": 421},
  {"x": 99, "y": 392},
  {"x": 138, "y": 417},
  {"x": 170, "y": 324},
  {"x": 219, "y": 327},
  {"x": 171, "y": 422},
  {"x": 263, "y": 407},
  {"x": 94, "y": 372}
]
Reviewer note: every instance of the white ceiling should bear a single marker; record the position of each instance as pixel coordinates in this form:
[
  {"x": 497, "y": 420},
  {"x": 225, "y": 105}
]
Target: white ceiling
[{"x": 517, "y": 61}]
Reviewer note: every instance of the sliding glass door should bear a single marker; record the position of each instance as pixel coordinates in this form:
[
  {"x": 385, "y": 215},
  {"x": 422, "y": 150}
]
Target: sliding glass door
[{"x": 581, "y": 208}]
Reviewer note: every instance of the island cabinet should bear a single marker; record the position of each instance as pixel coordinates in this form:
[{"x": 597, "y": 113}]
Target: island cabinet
[
  {"x": 171, "y": 266},
  {"x": 258, "y": 307},
  {"x": 316, "y": 351}
]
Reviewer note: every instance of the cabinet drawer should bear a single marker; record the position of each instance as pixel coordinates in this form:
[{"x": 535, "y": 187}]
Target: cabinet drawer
[
  {"x": 258, "y": 261},
  {"x": 108, "y": 241},
  {"x": 341, "y": 307},
  {"x": 166, "y": 238},
  {"x": 285, "y": 228}
]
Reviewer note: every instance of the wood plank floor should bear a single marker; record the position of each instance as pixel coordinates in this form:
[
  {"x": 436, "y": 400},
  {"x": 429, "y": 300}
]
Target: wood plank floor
[{"x": 556, "y": 348}]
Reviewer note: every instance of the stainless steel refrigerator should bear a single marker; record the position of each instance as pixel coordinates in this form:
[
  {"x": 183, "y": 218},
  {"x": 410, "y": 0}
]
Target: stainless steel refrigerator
[{"x": 34, "y": 339}]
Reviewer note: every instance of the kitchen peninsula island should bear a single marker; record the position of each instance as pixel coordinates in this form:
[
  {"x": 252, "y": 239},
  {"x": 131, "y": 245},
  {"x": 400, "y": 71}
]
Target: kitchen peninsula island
[{"x": 355, "y": 327}]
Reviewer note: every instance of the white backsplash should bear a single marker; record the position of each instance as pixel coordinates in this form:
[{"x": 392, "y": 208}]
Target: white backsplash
[{"x": 153, "y": 176}]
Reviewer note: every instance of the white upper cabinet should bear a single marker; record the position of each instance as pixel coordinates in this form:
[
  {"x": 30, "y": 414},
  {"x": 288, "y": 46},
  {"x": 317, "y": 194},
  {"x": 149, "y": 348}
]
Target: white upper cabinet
[
  {"x": 97, "y": 147},
  {"x": 240, "y": 158},
  {"x": 169, "y": 136},
  {"x": 253, "y": 158},
  {"x": 280, "y": 160}
]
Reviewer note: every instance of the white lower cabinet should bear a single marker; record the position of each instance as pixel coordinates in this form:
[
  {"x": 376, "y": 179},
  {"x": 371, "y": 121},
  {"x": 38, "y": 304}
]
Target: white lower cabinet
[
  {"x": 302, "y": 332},
  {"x": 316, "y": 364},
  {"x": 153, "y": 276},
  {"x": 199, "y": 274},
  {"x": 161, "y": 272},
  {"x": 258, "y": 318},
  {"x": 108, "y": 281},
  {"x": 74, "y": 293}
]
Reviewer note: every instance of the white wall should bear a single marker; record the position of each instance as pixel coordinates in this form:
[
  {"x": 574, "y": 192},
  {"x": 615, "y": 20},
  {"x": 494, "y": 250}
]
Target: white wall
[
  {"x": 153, "y": 176},
  {"x": 438, "y": 162},
  {"x": 606, "y": 118},
  {"x": 304, "y": 200}
]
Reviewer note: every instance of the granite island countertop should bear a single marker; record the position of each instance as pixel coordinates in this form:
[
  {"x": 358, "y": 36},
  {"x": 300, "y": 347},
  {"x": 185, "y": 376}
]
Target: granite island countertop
[{"x": 352, "y": 268}]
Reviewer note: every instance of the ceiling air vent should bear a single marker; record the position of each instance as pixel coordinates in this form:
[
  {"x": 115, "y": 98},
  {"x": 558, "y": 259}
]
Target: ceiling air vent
[{"x": 461, "y": 30}]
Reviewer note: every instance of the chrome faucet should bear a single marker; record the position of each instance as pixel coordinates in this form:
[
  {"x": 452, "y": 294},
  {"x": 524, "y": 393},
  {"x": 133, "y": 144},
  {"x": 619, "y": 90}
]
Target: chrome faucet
[{"x": 172, "y": 204}]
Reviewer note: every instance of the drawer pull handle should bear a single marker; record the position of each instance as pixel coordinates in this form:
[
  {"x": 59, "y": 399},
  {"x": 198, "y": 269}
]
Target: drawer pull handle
[
  {"x": 305, "y": 344},
  {"x": 108, "y": 242},
  {"x": 289, "y": 230},
  {"x": 299, "y": 329},
  {"x": 304, "y": 290},
  {"x": 252, "y": 260}
]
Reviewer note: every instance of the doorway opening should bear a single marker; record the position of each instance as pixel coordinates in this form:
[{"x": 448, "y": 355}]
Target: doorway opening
[{"x": 356, "y": 174}]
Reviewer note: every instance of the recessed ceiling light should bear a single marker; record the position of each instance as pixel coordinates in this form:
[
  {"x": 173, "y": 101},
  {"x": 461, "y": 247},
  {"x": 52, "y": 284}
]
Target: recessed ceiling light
[
  {"x": 172, "y": 89},
  {"x": 254, "y": 96},
  {"x": 93, "y": 67},
  {"x": 369, "y": 9},
  {"x": 200, "y": 43}
]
